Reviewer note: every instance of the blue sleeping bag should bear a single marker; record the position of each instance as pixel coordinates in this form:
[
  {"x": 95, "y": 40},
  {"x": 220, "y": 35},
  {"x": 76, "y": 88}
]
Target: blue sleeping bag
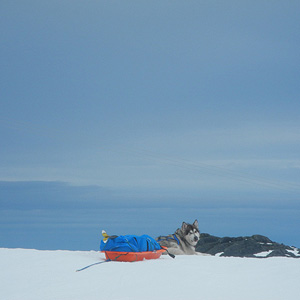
[{"x": 130, "y": 243}]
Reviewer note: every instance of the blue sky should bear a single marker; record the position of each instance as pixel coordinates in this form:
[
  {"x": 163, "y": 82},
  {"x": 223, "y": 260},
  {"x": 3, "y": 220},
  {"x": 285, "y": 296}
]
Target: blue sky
[{"x": 134, "y": 116}]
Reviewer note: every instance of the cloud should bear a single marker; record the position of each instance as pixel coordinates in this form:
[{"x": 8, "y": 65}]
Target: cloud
[
  {"x": 28, "y": 195},
  {"x": 57, "y": 215}
]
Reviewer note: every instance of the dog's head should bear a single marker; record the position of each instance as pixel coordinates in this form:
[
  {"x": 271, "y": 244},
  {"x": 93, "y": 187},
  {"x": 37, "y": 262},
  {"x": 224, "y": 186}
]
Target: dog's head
[{"x": 191, "y": 233}]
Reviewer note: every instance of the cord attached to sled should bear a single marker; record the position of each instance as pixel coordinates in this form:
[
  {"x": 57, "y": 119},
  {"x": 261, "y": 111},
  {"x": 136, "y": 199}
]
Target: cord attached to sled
[
  {"x": 170, "y": 254},
  {"x": 97, "y": 263}
]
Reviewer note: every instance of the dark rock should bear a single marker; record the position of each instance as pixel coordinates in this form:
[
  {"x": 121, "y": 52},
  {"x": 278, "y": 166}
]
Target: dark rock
[
  {"x": 261, "y": 238},
  {"x": 250, "y": 246}
]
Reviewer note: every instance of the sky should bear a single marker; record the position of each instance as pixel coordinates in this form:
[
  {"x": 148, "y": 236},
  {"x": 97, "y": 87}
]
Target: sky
[{"x": 134, "y": 116}]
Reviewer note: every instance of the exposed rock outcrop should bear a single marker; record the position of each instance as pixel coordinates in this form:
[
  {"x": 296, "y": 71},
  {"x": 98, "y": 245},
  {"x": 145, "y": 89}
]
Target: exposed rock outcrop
[{"x": 249, "y": 246}]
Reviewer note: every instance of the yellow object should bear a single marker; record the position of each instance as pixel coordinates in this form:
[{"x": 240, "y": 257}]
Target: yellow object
[{"x": 105, "y": 235}]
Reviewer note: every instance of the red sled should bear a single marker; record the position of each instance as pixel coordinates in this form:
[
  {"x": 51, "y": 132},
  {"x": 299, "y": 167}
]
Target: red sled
[{"x": 133, "y": 256}]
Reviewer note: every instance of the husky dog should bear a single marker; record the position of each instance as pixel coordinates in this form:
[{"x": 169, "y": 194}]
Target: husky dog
[{"x": 183, "y": 241}]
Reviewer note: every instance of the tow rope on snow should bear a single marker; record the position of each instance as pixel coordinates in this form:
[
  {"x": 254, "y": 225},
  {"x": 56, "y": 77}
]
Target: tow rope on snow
[{"x": 97, "y": 263}]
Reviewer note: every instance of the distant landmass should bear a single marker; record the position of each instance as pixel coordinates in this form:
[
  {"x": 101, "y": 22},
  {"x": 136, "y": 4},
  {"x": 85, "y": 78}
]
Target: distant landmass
[{"x": 248, "y": 246}]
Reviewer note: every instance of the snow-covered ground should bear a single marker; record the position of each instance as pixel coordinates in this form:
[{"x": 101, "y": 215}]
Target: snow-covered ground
[{"x": 51, "y": 275}]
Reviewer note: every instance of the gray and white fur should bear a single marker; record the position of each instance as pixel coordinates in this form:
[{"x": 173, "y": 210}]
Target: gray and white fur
[{"x": 183, "y": 241}]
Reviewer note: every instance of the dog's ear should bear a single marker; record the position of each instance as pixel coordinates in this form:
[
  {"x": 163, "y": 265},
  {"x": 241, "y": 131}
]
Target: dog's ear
[
  {"x": 184, "y": 226},
  {"x": 196, "y": 224}
]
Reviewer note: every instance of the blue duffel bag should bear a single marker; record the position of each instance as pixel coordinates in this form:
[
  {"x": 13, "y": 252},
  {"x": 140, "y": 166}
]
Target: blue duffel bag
[{"x": 130, "y": 243}]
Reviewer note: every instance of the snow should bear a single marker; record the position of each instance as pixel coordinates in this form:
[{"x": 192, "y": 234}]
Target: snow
[
  {"x": 295, "y": 251},
  {"x": 265, "y": 243},
  {"x": 263, "y": 254},
  {"x": 50, "y": 275}
]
